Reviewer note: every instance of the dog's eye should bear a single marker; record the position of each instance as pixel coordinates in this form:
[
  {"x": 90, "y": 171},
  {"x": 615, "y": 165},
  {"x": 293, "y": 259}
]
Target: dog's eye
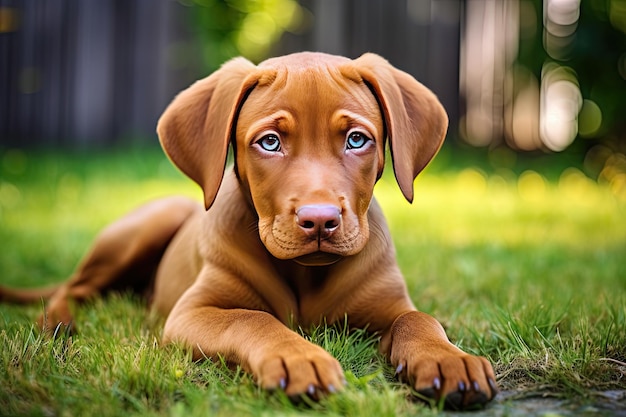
[
  {"x": 356, "y": 140},
  {"x": 270, "y": 143}
]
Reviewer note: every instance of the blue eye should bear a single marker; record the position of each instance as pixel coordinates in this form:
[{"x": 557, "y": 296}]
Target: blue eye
[
  {"x": 356, "y": 140},
  {"x": 270, "y": 143}
]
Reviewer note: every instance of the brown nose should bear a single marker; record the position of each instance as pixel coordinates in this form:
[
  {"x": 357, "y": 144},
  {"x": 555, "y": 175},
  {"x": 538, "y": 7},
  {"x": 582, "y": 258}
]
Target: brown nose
[{"x": 319, "y": 220}]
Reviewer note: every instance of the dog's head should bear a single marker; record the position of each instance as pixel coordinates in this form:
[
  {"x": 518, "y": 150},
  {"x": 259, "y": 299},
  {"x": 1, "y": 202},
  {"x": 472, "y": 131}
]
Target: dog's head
[{"x": 309, "y": 133}]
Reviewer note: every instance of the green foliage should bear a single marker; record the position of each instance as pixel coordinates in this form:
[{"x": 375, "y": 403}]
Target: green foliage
[
  {"x": 524, "y": 267},
  {"x": 595, "y": 52},
  {"x": 228, "y": 28}
]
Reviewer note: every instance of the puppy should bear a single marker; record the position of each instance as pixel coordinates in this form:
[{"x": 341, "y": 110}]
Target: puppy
[{"x": 291, "y": 232}]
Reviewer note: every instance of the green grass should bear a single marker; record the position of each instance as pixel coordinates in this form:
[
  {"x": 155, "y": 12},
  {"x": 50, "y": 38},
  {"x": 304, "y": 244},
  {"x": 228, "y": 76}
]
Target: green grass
[{"x": 523, "y": 266}]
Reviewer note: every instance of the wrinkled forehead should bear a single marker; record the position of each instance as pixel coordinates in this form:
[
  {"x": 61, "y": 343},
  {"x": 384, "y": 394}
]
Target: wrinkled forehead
[
  {"x": 313, "y": 89},
  {"x": 305, "y": 60}
]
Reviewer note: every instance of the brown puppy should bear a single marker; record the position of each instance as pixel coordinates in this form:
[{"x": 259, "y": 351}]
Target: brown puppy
[{"x": 293, "y": 233}]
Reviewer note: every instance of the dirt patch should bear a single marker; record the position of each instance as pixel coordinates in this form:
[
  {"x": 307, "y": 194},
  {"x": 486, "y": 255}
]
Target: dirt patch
[{"x": 514, "y": 404}]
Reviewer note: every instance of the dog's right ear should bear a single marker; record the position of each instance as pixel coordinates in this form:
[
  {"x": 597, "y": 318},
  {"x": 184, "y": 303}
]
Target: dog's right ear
[
  {"x": 195, "y": 128},
  {"x": 415, "y": 120}
]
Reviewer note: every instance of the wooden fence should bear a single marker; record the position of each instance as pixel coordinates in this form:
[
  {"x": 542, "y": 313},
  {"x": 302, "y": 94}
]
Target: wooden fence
[{"x": 96, "y": 72}]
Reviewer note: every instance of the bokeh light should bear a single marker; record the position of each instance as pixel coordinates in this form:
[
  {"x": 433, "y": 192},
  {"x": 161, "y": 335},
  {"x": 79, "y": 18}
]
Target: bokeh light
[
  {"x": 589, "y": 119},
  {"x": 560, "y": 103},
  {"x": 522, "y": 116},
  {"x": 617, "y": 14},
  {"x": 613, "y": 174},
  {"x": 531, "y": 186},
  {"x": 489, "y": 49},
  {"x": 560, "y": 24},
  {"x": 545, "y": 107},
  {"x": 264, "y": 23}
]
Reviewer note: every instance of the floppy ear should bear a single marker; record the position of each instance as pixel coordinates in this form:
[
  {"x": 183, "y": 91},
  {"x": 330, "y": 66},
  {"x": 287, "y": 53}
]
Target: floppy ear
[
  {"x": 416, "y": 121},
  {"x": 195, "y": 128}
]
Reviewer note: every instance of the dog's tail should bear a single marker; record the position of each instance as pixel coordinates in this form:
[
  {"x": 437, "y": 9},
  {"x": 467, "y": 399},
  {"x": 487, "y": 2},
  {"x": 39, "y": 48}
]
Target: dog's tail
[{"x": 27, "y": 295}]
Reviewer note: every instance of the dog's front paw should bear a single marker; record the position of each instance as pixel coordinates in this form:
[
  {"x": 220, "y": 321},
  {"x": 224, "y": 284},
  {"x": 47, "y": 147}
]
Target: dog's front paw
[
  {"x": 435, "y": 368},
  {"x": 461, "y": 380},
  {"x": 300, "y": 369}
]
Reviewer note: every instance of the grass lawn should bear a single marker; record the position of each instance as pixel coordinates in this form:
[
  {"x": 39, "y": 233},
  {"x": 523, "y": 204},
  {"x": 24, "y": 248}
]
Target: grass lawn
[{"x": 524, "y": 265}]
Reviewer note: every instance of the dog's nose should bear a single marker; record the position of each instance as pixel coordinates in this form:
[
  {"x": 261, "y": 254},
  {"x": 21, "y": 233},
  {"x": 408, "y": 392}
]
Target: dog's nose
[{"x": 319, "y": 219}]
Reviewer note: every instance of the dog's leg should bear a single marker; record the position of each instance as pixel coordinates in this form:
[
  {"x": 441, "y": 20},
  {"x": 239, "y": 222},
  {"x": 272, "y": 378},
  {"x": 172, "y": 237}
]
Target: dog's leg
[
  {"x": 424, "y": 357},
  {"x": 277, "y": 357},
  {"x": 124, "y": 255},
  {"x": 26, "y": 296}
]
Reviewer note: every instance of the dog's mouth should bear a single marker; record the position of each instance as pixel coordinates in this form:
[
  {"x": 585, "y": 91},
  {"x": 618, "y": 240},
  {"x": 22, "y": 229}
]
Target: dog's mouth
[
  {"x": 284, "y": 241},
  {"x": 318, "y": 259}
]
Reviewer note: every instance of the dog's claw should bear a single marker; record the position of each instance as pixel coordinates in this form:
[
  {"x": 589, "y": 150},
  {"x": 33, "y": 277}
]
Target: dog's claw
[
  {"x": 399, "y": 369},
  {"x": 437, "y": 384},
  {"x": 476, "y": 386},
  {"x": 282, "y": 383},
  {"x": 493, "y": 386},
  {"x": 311, "y": 389},
  {"x": 462, "y": 386}
]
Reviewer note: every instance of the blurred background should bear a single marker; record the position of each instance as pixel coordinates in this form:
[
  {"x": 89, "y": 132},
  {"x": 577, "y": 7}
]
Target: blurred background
[{"x": 517, "y": 77}]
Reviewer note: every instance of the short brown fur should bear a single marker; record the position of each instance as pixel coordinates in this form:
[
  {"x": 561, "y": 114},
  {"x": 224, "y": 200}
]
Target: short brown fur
[{"x": 293, "y": 233}]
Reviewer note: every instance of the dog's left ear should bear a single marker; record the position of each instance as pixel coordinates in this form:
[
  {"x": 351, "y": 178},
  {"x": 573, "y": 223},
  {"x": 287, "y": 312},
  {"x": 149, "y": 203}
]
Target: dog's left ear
[{"x": 416, "y": 121}]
